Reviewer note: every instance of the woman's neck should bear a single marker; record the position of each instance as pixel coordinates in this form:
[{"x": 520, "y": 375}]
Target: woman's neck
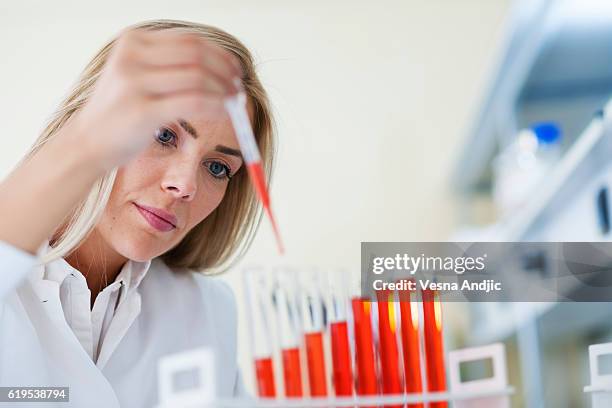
[{"x": 98, "y": 262}]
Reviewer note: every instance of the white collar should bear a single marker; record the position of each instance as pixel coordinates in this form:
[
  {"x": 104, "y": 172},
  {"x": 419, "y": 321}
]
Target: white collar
[{"x": 131, "y": 273}]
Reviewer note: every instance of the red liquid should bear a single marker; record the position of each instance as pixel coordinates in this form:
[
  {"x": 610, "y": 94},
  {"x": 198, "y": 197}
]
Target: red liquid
[
  {"x": 264, "y": 373},
  {"x": 389, "y": 354},
  {"x": 364, "y": 348},
  {"x": 434, "y": 347},
  {"x": 316, "y": 364},
  {"x": 292, "y": 372},
  {"x": 259, "y": 184},
  {"x": 341, "y": 359},
  {"x": 410, "y": 345}
]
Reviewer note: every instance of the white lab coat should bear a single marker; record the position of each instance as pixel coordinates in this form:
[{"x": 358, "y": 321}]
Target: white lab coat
[{"x": 171, "y": 312}]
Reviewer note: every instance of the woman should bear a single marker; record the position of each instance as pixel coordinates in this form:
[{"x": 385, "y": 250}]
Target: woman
[{"x": 136, "y": 183}]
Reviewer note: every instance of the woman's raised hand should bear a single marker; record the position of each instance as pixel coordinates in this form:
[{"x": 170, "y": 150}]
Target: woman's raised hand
[{"x": 150, "y": 78}]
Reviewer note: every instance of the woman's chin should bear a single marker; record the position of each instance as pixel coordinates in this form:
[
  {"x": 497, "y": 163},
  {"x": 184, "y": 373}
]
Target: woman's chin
[{"x": 137, "y": 250}]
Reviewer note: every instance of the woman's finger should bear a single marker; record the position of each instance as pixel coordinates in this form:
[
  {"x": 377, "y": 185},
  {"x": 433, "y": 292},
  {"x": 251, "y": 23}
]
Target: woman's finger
[
  {"x": 163, "y": 49},
  {"x": 169, "y": 107},
  {"x": 162, "y": 81}
]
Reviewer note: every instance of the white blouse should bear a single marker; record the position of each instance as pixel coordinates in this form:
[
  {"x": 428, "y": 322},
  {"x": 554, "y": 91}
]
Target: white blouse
[
  {"x": 90, "y": 325},
  {"x": 108, "y": 355}
]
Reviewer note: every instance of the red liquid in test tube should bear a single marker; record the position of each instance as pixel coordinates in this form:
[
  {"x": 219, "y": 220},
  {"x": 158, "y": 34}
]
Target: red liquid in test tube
[
  {"x": 292, "y": 372},
  {"x": 316, "y": 364},
  {"x": 434, "y": 346},
  {"x": 259, "y": 313},
  {"x": 410, "y": 344},
  {"x": 341, "y": 359},
  {"x": 364, "y": 348},
  {"x": 287, "y": 329},
  {"x": 312, "y": 320},
  {"x": 389, "y": 353},
  {"x": 264, "y": 373},
  {"x": 342, "y": 369}
]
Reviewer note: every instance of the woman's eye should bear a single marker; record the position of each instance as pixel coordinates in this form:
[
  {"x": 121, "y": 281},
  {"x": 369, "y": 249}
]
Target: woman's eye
[
  {"x": 165, "y": 136},
  {"x": 218, "y": 170}
]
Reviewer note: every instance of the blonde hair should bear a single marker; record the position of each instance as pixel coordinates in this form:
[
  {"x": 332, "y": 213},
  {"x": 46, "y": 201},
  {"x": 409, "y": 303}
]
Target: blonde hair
[{"x": 221, "y": 238}]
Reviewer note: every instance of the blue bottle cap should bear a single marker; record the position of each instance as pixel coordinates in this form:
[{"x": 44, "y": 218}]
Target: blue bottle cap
[{"x": 547, "y": 132}]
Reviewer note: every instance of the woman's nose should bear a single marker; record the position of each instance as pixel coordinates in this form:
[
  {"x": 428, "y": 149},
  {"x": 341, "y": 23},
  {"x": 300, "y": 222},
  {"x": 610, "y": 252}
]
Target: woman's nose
[{"x": 181, "y": 184}]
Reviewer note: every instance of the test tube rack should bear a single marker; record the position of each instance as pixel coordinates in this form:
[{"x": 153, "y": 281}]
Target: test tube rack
[
  {"x": 600, "y": 388},
  {"x": 492, "y": 392}
]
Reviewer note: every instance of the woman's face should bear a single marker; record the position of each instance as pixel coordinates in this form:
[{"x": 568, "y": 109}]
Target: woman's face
[{"x": 159, "y": 196}]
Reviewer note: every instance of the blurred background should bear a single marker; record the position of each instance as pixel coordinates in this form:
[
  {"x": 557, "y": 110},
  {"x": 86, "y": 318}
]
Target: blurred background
[{"x": 411, "y": 120}]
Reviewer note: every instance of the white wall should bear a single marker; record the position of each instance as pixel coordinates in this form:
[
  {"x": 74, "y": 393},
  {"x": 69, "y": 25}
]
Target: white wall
[{"x": 372, "y": 100}]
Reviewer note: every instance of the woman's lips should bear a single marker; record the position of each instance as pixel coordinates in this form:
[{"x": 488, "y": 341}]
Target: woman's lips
[{"x": 156, "y": 221}]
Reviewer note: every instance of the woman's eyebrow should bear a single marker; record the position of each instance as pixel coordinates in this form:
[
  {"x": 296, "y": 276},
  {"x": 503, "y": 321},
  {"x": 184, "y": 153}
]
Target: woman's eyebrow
[
  {"x": 188, "y": 128},
  {"x": 228, "y": 150},
  {"x": 220, "y": 148}
]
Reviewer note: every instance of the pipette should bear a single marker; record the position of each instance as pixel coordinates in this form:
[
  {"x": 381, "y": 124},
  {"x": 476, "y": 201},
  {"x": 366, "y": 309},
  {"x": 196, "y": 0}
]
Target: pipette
[{"x": 236, "y": 107}]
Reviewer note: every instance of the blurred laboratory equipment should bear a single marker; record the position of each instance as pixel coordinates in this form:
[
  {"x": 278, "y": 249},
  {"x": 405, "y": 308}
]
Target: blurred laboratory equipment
[
  {"x": 552, "y": 67},
  {"x": 522, "y": 166}
]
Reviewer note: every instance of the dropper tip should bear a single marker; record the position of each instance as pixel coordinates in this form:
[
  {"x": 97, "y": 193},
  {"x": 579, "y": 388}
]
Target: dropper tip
[{"x": 279, "y": 241}]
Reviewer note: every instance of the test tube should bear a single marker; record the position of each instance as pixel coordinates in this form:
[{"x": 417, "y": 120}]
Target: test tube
[
  {"x": 409, "y": 315},
  {"x": 290, "y": 348},
  {"x": 342, "y": 370},
  {"x": 389, "y": 353},
  {"x": 313, "y": 338},
  {"x": 292, "y": 372},
  {"x": 341, "y": 359},
  {"x": 259, "y": 329},
  {"x": 316, "y": 364},
  {"x": 364, "y": 347},
  {"x": 434, "y": 347},
  {"x": 264, "y": 373}
]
